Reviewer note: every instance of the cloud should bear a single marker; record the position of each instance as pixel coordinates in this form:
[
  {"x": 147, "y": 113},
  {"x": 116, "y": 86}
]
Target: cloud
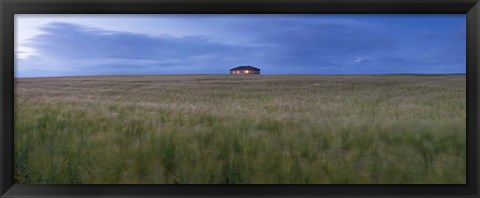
[
  {"x": 282, "y": 45},
  {"x": 77, "y": 49},
  {"x": 357, "y": 60}
]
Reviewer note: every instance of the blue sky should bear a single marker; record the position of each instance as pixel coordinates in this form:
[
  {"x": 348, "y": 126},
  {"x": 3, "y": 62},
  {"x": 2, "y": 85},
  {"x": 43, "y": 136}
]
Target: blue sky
[{"x": 77, "y": 45}]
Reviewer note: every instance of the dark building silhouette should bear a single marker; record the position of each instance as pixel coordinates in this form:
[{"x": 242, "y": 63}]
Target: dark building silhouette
[{"x": 242, "y": 70}]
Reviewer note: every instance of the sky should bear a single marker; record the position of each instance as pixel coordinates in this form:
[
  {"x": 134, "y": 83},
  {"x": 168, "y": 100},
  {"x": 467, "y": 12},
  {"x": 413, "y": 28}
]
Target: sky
[{"x": 79, "y": 45}]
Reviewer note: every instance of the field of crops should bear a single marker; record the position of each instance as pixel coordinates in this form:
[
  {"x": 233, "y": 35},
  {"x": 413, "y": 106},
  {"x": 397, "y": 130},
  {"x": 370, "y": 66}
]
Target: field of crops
[{"x": 211, "y": 129}]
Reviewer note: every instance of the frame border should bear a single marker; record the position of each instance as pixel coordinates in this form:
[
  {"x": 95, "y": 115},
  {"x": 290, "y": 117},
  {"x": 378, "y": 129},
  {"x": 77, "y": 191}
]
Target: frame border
[{"x": 8, "y": 8}]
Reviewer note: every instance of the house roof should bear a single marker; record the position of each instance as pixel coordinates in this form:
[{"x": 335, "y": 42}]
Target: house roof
[{"x": 246, "y": 67}]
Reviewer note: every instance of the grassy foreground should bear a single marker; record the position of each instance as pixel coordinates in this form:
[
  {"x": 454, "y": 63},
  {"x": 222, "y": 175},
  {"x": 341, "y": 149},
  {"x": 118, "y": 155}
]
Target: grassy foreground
[{"x": 241, "y": 129}]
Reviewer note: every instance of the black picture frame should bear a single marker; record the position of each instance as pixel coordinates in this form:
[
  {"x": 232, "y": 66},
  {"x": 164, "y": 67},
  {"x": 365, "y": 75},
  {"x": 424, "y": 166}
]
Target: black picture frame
[{"x": 8, "y": 8}]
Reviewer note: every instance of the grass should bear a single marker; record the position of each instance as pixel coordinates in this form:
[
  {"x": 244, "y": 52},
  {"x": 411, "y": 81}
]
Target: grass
[{"x": 215, "y": 129}]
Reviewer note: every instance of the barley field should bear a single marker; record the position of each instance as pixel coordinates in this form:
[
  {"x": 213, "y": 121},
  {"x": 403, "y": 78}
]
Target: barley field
[{"x": 222, "y": 129}]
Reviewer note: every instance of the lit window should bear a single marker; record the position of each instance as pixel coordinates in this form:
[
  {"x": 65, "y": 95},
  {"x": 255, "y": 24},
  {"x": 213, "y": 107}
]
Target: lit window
[{"x": 246, "y": 71}]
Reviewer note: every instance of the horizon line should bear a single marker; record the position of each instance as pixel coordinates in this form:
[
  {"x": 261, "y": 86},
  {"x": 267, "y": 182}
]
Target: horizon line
[{"x": 111, "y": 75}]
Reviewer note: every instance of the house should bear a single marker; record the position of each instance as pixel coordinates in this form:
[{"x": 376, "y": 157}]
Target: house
[{"x": 244, "y": 70}]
